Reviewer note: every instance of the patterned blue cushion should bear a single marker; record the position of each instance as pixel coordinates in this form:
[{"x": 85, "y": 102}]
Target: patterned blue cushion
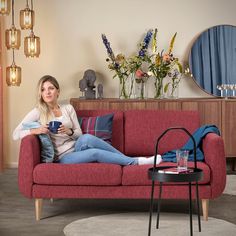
[
  {"x": 47, "y": 149},
  {"x": 99, "y": 126}
]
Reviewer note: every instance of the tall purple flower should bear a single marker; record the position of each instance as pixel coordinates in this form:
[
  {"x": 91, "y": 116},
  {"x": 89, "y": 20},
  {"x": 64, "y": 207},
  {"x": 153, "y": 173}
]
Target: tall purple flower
[
  {"x": 108, "y": 47},
  {"x": 145, "y": 43}
]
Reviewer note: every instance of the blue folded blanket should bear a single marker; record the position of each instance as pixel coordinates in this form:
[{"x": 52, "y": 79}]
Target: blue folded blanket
[{"x": 198, "y": 136}]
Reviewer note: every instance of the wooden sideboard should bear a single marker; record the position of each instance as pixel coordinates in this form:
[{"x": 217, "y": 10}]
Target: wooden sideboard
[{"x": 220, "y": 112}]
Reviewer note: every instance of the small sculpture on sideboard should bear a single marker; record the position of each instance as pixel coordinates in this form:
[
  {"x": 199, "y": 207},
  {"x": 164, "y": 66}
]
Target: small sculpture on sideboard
[
  {"x": 87, "y": 86},
  {"x": 100, "y": 91},
  {"x": 82, "y": 87}
]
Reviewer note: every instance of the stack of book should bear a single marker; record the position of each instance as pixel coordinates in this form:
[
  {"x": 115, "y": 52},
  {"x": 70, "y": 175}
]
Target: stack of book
[{"x": 174, "y": 170}]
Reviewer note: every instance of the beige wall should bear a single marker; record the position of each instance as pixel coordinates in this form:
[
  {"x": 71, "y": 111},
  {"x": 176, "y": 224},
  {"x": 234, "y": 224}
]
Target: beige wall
[{"x": 70, "y": 33}]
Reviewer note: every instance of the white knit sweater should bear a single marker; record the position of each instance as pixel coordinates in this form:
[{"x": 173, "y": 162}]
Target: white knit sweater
[{"x": 62, "y": 142}]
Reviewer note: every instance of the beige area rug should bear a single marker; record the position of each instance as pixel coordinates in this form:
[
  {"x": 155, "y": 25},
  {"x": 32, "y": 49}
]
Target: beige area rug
[
  {"x": 136, "y": 224},
  {"x": 230, "y": 187}
]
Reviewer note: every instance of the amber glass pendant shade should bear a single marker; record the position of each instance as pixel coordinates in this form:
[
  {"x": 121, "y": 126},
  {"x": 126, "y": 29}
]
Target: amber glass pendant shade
[
  {"x": 32, "y": 46},
  {"x": 5, "y": 7},
  {"x": 13, "y": 75},
  {"x": 26, "y": 18},
  {"x": 12, "y": 38}
]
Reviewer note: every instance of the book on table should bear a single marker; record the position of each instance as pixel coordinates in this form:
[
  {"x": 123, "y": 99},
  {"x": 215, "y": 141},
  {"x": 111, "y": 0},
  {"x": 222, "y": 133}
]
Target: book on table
[{"x": 174, "y": 170}]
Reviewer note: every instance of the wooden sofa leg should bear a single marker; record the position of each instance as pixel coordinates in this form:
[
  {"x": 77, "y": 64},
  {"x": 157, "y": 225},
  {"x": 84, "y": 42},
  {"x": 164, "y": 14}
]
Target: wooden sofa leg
[
  {"x": 205, "y": 208},
  {"x": 38, "y": 208}
]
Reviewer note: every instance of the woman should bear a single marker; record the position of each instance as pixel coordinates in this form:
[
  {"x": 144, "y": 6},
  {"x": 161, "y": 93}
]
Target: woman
[{"x": 69, "y": 143}]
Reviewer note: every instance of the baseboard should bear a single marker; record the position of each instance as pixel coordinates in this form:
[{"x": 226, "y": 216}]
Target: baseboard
[{"x": 11, "y": 165}]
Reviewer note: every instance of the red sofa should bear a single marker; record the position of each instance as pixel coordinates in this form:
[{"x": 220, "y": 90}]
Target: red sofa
[{"x": 134, "y": 133}]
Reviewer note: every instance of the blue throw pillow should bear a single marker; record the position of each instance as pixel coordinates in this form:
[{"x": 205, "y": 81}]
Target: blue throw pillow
[
  {"x": 99, "y": 126},
  {"x": 46, "y": 146}
]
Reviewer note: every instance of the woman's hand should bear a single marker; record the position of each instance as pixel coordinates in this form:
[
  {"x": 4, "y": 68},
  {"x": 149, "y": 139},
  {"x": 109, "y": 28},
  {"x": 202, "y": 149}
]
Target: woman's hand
[
  {"x": 64, "y": 130},
  {"x": 41, "y": 130}
]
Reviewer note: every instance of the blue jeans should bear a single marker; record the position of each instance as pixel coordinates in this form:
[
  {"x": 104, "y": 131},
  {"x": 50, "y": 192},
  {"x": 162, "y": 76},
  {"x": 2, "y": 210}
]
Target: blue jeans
[{"x": 89, "y": 148}]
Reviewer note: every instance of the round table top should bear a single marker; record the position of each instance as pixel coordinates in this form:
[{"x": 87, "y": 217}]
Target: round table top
[{"x": 164, "y": 174}]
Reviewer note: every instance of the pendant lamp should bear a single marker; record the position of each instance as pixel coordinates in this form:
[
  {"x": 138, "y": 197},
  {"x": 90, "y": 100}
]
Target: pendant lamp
[
  {"x": 27, "y": 17},
  {"x": 32, "y": 43},
  {"x": 13, "y": 73},
  {"x": 5, "y": 7},
  {"x": 12, "y": 35}
]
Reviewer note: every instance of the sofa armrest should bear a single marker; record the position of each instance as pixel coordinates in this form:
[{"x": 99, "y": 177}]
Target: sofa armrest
[
  {"x": 214, "y": 153},
  {"x": 29, "y": 157}
]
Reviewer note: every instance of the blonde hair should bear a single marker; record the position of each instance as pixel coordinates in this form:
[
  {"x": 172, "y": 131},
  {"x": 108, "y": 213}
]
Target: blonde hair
[{"x": 44, "y": 111}]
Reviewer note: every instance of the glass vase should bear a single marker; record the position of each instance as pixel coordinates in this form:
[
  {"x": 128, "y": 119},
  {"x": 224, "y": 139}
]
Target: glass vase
[
  {"x": 123, "y": 93},
  {"x": 158, "y": 85},
  {"x": 173, "y": 88},
  {"x": 140, "y": 88},
  {"x": 131, "y": 86},
  {"x": 173, "y": 92}
]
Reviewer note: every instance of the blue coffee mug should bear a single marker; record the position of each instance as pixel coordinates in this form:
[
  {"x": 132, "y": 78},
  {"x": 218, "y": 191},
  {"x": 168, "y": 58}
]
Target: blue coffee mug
[{"x": 54, "y": 126}]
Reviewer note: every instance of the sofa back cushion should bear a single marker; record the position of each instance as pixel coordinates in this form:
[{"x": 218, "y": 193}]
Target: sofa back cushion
[
  {"x": 143, "y": 127},
  {"x": 117, "y": 124}
]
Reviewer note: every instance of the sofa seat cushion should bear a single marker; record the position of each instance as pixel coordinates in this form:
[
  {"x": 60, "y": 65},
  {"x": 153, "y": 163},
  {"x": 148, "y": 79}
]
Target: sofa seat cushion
[
  {"x": 95, "y": 174},
  {"x": 138, "y": 175}
]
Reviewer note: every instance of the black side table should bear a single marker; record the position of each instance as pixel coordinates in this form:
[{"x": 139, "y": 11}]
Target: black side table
[{"x": 194, "y": 175}]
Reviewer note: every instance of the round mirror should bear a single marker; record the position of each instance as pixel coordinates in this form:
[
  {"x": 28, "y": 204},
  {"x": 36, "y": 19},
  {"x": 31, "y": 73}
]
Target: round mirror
[{"x": 212, "y": 60}]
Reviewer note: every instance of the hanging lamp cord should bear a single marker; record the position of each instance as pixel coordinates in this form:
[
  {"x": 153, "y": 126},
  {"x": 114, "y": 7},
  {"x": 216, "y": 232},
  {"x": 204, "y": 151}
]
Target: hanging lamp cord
[
  {"x": 32, "y": 5},
  {"x": 12, "y": 11},
  {"x": 13, "y": 56},
  {"x": 32, "y": 31}
]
